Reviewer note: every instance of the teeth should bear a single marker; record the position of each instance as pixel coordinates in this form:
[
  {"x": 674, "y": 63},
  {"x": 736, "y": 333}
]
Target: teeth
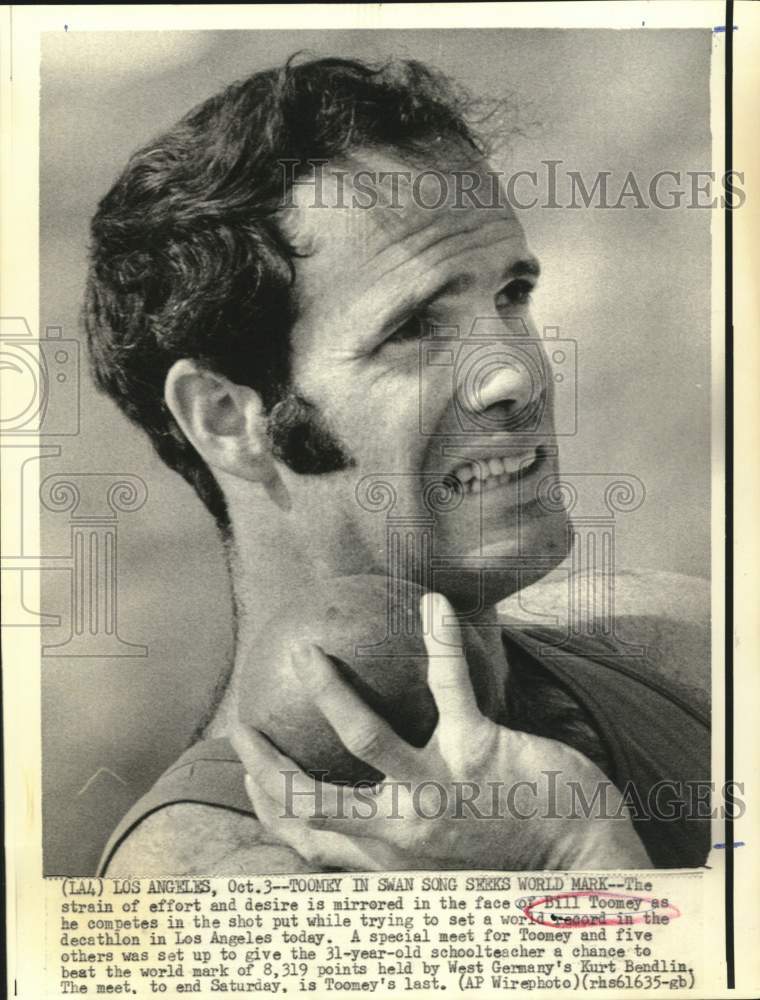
[
  {"x": 513, "y": 463},
  {"x": 487, "y": 474}
]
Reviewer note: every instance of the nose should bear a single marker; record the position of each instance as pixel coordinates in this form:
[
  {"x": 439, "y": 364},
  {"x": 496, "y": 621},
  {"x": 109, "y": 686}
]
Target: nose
[{"x": 504, "y": 388}]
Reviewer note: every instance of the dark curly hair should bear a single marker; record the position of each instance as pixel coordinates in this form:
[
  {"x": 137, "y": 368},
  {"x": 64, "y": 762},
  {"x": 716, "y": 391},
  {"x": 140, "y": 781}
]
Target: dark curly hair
[{"x": 187, "y": 258}]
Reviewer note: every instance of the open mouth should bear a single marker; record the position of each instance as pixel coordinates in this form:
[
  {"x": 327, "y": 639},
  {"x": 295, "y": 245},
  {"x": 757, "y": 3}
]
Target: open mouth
[{"x": 488, "y": 473}]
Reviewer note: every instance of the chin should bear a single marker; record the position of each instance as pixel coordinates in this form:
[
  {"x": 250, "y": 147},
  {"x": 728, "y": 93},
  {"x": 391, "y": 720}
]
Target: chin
[{"x": 501, "y": 565}]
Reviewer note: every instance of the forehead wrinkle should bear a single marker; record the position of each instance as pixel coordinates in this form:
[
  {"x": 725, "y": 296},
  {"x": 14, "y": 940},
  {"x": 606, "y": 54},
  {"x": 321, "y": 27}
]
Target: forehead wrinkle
[
  {"x": 484, "y": 241},
  {"x": 420, "y": 239},
  {"x": 407, "y": 169},
  {"x": 414, "y": 276},
  {"x": 389, "y": 242},
  {"x": 380, "y": 228},
  {"x": 408, "y": 294},
  {"x": 411, "y": 235}
]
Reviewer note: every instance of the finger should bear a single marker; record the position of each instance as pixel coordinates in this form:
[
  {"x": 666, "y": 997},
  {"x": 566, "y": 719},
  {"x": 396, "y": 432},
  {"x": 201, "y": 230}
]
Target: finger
[
  {"x": 361, "y": 730},
  {"x": 283, "y": 828},
  {"x": 323, "y": 849},
  {"x": 283, "y": 780},
  {"x": 404, "y": 824},
  {"x": 448, "y": 674},
  {"x": 377, "y": 812}
]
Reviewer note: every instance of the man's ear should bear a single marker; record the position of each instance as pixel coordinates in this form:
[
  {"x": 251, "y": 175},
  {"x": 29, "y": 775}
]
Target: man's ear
[{"x": 223, "y": 421}]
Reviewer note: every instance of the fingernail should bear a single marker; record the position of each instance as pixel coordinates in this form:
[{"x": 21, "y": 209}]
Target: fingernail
[{"x": 442, "y": 610}]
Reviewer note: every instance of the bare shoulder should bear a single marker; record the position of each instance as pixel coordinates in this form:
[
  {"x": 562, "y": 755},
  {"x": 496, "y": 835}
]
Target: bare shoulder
[
  {"x": 666, "y": 613},
  {"x": 192, "y": 839}
]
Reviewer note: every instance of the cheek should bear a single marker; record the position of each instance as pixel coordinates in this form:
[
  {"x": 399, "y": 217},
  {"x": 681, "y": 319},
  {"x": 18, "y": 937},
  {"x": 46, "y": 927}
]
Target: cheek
[{"x": 381, "y": 424}]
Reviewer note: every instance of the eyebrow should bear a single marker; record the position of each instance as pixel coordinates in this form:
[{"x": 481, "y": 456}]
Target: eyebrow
[{"x": 523, "y": 267}]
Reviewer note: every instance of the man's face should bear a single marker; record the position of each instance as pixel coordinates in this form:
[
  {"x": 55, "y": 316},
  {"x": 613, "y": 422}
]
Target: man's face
[{"x": 414, "y": 342}]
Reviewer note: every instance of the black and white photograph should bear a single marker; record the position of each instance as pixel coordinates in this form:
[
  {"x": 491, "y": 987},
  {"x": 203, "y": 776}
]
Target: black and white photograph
[
  {"x": 409, "y": 315},
  {"x": 372, "y": 422}
]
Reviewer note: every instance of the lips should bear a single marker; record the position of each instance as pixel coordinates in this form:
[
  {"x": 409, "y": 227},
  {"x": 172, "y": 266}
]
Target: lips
[{"x": 490, "y": 472}]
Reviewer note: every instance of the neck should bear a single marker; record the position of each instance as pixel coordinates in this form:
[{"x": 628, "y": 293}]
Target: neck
[
  {"x": 489, "y": 627},
  {"x": 264, "y": 567},
  {"x": 269, "y": 561},
  {"x": 258, "y": 597}
]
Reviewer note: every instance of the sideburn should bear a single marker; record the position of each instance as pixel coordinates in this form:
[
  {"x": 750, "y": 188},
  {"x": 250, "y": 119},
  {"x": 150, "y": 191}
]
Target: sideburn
[{"x": 302, "y": 439}]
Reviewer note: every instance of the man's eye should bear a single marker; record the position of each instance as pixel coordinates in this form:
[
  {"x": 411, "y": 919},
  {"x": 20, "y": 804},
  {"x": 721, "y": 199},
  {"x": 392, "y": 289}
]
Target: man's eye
[
  {"x": 410, "y": 329},
  {"x": 516, "y": 293}
]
